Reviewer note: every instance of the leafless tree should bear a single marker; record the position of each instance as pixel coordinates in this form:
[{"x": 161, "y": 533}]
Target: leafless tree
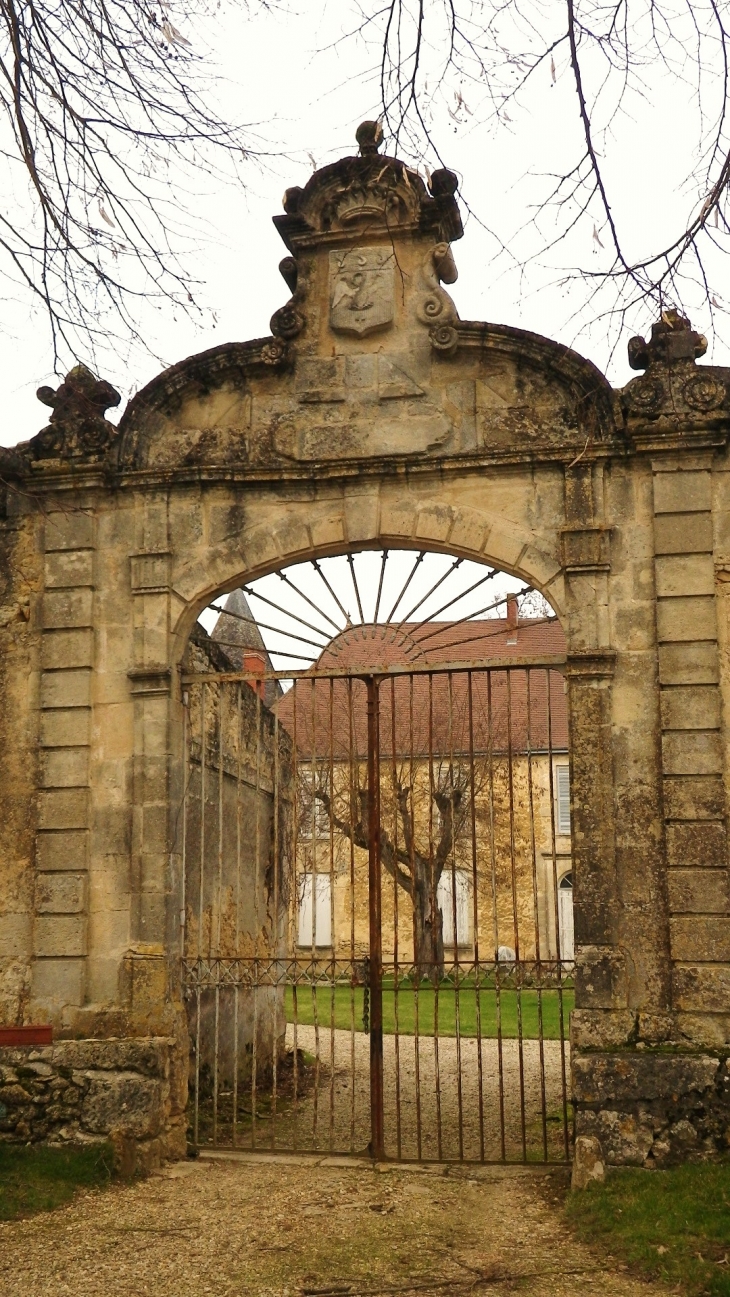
[
  {"x": 107, "y": 114},
  {"x": 480, "y": 59}
]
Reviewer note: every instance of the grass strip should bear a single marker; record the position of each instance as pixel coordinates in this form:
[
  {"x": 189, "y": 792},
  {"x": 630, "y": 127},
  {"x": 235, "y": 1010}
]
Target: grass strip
[
  {"x": 40, "y": 1177},
  {"x": 671, "y": 1225},
  {"x": 447, "y": 1011}
]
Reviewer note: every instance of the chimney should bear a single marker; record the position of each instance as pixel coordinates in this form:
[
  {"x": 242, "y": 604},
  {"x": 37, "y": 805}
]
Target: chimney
[
  {"x": 512, "y": 612},
  {"x": 253, "y": 661}
]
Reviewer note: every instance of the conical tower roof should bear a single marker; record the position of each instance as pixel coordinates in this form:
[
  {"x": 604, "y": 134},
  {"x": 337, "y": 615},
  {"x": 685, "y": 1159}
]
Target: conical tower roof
[{"x": 236, "y": 629}]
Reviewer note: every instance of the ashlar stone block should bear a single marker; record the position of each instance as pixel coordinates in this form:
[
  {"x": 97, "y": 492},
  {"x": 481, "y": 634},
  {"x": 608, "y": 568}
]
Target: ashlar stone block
[
  {"x": 65, "y": 727},
  {"x": 702, "y": 843},
  {"x": 60, "y": 893},
  {"x": 691, "y": 707},
  {"x": 687, "y": 618},
  {"x": 699, "y": 891},
  {"x": 65, "y": 767},
  {"x": 66, "y": 689},
  {"x": 682, "y": 492},
  {"x": 59, "y": 981},
  {"x": 64, "y": 850},
  {"x": 681, "y": 533},
  {"x": 69, "y": 529},
  {"x": 694, "y": 797},
  {"x": 68, "y": 608},
  {"x": 700, "y": 937},
  {"x": 689, "y": 664},
  {"x": 59, "y": 935},
  {"x": 684, "y": 574},
  {"x": 692, "y": 752},
  {"x": 69, "y": 568},
  {"x": 67, "y": 648}
]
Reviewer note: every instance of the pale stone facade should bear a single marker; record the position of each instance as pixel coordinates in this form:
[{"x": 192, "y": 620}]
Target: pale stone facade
[{"x": 403, "y": 425}]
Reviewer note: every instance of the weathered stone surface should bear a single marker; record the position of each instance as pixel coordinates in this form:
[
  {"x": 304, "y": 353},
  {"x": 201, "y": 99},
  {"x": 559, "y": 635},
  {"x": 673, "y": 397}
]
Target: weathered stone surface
[
  {"x": 587, "y": 1162},
  {"x": 374, "y": 416},
  {"x": 624, "y": 1078}
]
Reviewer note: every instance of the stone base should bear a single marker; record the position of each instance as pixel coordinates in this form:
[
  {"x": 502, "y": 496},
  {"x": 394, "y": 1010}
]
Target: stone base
[
  {"x": 131, "y": 1092},
  {"x": 653, "y": 1107}
]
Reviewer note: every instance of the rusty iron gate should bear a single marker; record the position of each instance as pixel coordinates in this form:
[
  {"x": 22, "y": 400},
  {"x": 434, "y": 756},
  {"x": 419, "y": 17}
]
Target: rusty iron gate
[{"x": 375, "y": 943}]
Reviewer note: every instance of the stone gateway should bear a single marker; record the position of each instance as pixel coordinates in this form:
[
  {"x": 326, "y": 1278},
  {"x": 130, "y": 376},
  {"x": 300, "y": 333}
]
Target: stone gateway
[{"x": 373, "y": 416}]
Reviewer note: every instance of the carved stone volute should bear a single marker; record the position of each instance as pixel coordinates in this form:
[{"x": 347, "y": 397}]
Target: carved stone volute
[{"x": 77, "y": 427}]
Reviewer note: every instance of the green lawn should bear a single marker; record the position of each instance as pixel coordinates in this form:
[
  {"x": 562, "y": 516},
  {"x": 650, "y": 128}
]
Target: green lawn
[
  {"x": 511, "y": 1001},
  {"x": 672, "y": 1225},
  {"x": 37, "y": 1178}
]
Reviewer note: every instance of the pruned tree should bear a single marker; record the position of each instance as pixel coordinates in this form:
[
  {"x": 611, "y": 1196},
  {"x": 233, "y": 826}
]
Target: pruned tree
[
  {"x": 107, "y": 117},
  {"x": 419, "y": 834}
]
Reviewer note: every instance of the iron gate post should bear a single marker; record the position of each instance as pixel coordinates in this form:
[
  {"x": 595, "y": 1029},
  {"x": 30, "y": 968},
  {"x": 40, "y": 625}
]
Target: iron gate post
[{"x": 377, "y": 1139}]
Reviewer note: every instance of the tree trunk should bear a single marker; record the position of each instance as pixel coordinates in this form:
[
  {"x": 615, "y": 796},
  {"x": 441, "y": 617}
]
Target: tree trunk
[{"x": 428, "y": 937}]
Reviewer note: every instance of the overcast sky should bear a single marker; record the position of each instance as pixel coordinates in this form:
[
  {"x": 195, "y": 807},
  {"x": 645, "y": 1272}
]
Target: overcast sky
[{"x": 304, "y": 91}]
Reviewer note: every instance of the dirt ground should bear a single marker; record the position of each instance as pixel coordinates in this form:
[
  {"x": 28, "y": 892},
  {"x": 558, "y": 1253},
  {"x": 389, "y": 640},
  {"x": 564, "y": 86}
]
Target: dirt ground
[{"x": 308, "y": 1227}]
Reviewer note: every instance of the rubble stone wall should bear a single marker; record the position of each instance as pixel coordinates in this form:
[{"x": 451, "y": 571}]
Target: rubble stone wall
[{"x": 131, "y": 1092}]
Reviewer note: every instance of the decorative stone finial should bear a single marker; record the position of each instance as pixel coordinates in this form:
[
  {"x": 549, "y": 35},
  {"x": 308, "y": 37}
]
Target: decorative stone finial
[
  {"x": 369, "y": 136},
  {"x": 675, "y": 396},
  {"x": 77, "y": 428},
  {"x": 672, "y": 339}
]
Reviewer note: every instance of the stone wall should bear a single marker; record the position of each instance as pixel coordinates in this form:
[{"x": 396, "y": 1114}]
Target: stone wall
[
  {"x": 376, "y": 419},
  {"x": 131, "y": 1092}
]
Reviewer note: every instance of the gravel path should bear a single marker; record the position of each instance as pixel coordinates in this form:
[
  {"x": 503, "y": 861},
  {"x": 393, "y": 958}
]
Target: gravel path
[
  {"x": 283, "y": 1228},
  {"x": 460, "y": 1110}
]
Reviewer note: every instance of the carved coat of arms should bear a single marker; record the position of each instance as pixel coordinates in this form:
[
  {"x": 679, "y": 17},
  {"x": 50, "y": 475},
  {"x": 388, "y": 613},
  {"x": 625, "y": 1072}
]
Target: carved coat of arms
[{"x": 362, "y": 290}]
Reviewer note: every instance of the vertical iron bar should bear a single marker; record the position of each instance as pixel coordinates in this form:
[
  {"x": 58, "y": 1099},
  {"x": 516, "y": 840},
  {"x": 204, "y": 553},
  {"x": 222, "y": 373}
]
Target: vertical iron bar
[
  {"x": 201, "y": 897},
  {"x": 454, "y": 915},
  {"x": 219, "y": 885},
  {"x": 351, "y": 819},
  {"x": 315, "y": 889},
  {"x": 417, "y": 952},
  {"x": 376, "y": 948},
  {"x": 275, "y": 933},
  {"x": 333, "y": 974},
  {"x": 475, "y": 918},
  {"x": 495, "y": 917},
  {"x": 513, "y": 866},
  {"x": 294, "y": 920},
  {"x": 558, "y": 951},
  {"x": 535, "y": 898},
  {"x": 256, "y": 685},
  {"x": 396, "y": 869},
  {"x": 435, "y": 971}
]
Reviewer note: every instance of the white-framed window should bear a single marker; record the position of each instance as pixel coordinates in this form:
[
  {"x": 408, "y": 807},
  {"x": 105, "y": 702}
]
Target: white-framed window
[
  {"x": 565, "y": 917},
  {"x": 445, "y": 897},
  {"x": 315, "y": 910},
  {"x": 562, "y": 798}
]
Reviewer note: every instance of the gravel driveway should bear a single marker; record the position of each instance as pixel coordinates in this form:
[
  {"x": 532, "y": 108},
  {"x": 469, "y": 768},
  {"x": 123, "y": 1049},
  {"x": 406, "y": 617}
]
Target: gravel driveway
[{"x": 292, "y": 1227}]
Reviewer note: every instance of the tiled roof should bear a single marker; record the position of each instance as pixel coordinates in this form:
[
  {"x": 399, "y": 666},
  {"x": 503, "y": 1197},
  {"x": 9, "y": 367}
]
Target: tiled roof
[{"x": 439, "y": 713}]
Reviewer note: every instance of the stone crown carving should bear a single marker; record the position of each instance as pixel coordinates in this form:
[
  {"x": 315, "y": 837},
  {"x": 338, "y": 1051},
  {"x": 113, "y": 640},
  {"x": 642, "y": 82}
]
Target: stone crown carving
[
  {"x": 77, "y": 427},
  {"x": 370, "y": 190}
]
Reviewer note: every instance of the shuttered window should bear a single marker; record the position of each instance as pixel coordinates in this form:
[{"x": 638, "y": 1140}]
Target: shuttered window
[
  {"x": 562, "y": 798},
  {"x": 315, "y": 920},
  {"x": 445, "y": 896}
]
